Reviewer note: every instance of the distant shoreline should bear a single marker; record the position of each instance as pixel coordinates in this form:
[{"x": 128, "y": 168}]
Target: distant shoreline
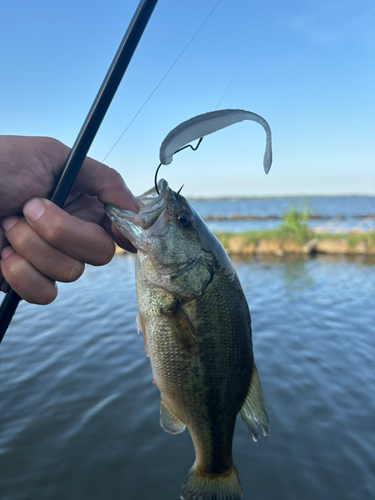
[
  {"x": 275, "y": 197},
  {"x": 235, "y": 217},
  {"x": 269, "y": 243},
  {"x": 294, "y": 236}
]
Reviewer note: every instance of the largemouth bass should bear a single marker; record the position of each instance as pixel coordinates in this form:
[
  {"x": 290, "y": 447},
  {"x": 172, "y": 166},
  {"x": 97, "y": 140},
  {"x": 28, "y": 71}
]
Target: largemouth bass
[{"x": 196, "y": 327}]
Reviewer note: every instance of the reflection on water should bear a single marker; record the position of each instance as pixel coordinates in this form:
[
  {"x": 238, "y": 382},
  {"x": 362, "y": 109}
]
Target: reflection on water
[{"x": 79, "y": 416}]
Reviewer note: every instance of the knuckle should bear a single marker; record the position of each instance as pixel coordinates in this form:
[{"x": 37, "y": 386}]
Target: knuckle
[
  {"x": 54, "y": 229},
  {"x": 11, "y": 265},
  {"x": 20, "y": 276},
  {"x": 42, "y": 293},
  {"x": 105, "y": 252},
  {"x": 114, "y": 176},
  {"x": 21, "y": 241},
  {"x": 53, "y": 151},
  {"x": 13, "y": 270},
  {"x": 72, "y": 270},
  {"x": 46, "y": 294}
]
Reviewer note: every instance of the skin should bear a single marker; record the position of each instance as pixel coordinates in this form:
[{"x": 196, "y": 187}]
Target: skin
[{"x": 41, "y": 243}]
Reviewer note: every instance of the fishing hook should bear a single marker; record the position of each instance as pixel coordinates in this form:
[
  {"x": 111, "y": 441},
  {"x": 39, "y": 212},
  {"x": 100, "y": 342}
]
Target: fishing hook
[{"x": 178, "y": 150}]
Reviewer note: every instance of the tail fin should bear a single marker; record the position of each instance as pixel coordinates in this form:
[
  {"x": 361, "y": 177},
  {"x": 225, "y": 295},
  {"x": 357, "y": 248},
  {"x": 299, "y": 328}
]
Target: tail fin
[{"x": 220, "y": 487}]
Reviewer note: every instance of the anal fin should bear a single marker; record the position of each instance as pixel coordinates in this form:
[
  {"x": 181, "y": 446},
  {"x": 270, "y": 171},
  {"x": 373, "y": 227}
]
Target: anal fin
[
  {"x": 253, "y": 411},
  {"x": 169, "y": 421}
]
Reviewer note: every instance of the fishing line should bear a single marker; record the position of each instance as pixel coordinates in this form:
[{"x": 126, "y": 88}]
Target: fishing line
[
  {"x": 161, "y": 81},
  {"x": 150, "y": 96},
  {"x": 244, "y": 54},
  {"x": 165, "y": 76},
  {"x": 225, "y": 91}
]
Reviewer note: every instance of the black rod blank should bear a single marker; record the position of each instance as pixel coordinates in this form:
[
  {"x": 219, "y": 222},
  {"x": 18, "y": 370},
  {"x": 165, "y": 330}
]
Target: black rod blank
[{"x": 89, "y": 129}]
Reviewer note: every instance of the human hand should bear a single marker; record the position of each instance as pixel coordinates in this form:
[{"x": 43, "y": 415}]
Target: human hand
[{"x": 47, "y": 244}]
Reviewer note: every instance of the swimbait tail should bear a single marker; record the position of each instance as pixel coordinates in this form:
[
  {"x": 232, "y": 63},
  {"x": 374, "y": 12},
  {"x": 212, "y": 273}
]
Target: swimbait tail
[{"x": 208, "y": 123}]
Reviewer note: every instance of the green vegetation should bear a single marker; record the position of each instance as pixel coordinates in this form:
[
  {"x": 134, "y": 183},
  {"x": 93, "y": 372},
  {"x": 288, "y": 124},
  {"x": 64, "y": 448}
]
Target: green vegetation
[
  {"x": 292, "y": 228},
  {"x": 294, "y": 225},
  {"x": 292, "y": 236}
]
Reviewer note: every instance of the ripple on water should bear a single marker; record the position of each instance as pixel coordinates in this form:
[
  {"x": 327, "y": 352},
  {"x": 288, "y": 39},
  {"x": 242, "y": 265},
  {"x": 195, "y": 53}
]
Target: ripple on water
[{"x": 79, "y": 416}]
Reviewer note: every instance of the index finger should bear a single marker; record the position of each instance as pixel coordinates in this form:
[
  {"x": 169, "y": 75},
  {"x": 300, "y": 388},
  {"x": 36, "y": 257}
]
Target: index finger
[{"x": 97, "y": 179}]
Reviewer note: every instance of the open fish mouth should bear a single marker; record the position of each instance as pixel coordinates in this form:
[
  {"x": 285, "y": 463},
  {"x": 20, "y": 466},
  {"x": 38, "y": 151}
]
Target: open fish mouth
[
  {"x": 151, "y": 198},
  {"x": 132, "y": 225}
]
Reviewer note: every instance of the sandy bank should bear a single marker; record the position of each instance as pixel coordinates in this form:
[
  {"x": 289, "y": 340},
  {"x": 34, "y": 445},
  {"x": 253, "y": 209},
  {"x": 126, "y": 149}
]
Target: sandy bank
[
  {"x": 239, "y": 244},
  {"x": 267, "y": 244}
]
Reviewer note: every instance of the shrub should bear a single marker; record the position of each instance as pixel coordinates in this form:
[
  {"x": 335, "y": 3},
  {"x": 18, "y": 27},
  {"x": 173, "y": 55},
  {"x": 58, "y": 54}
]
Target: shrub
[{"x": 294, "y": 224}]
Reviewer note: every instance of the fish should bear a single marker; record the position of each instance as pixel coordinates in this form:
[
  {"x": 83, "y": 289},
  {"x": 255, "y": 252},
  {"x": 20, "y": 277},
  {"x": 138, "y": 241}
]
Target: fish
[{"x": 196, "y": 328}]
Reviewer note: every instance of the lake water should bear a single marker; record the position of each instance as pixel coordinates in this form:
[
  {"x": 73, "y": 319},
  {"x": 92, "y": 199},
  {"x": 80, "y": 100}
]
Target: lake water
[
  {"x": 351, "y": 209},
  {"x": 79, "y": 416}
]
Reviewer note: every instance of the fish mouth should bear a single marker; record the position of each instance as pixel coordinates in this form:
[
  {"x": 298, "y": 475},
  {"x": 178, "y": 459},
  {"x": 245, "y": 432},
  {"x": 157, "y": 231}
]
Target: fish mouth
[
  {"x": 153, "y": 203},
  {"x": 151, "y": 197},
  {"x": 134, "y": 225}
]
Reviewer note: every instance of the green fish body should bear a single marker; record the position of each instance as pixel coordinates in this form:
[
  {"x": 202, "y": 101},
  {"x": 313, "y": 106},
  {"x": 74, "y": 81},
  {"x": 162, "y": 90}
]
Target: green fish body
[{"x": 196, "y": 327}]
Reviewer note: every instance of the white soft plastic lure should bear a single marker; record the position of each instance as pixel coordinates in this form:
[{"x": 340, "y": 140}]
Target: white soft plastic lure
[{"x": 206, "y": 124}]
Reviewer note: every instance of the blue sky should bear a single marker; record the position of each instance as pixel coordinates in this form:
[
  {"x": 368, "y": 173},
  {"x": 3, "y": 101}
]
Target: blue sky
[{"x": 309, "y": 71}]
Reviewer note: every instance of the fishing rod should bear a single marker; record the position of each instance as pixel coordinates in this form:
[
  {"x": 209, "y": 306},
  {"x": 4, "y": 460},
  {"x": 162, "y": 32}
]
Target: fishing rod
[{"x": 89, "y": 129}]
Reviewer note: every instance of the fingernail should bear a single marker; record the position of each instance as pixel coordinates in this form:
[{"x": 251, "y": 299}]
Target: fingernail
[
  {"x": 9, "y": 222},
  {"x": 6, "y": 251},
  {"x": 34, "y": 209}
]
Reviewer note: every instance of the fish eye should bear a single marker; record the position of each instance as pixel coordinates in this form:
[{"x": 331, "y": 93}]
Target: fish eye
[{"x": 184, "y": 219}]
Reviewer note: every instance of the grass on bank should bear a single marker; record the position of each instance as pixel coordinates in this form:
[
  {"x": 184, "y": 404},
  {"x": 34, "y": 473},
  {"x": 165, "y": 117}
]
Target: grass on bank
[{"x": 293, "y": 229}]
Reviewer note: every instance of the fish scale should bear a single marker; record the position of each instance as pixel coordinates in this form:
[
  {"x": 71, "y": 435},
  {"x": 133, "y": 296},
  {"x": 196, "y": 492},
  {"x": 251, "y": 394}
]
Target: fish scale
[{"x": 197, "y": 330}]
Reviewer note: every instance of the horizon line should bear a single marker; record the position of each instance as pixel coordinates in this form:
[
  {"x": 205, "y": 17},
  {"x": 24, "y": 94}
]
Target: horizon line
[{"x": 266, "y": 196}]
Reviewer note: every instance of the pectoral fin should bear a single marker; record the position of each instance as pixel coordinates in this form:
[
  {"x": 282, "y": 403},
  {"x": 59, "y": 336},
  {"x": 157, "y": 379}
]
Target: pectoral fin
[
  {"x": 169, "y": 421},
  {"x": 138, "y": 322},
  {"x": 181, "y": 325},
  {"x": 253, "y": 411},
  {"x": 141, "y": 328}
]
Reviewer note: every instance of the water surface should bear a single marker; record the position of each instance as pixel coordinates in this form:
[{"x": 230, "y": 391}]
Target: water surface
[{"x": 79, "y": 416}]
